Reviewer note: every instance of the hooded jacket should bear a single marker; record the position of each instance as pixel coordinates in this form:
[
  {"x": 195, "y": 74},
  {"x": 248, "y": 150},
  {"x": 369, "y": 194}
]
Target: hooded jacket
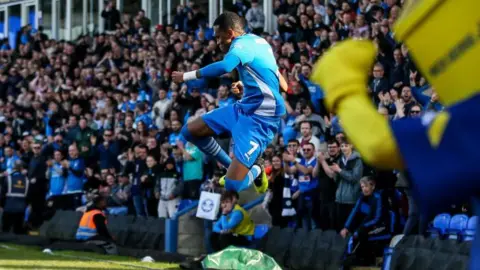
[{"x": 348, "y": 180}]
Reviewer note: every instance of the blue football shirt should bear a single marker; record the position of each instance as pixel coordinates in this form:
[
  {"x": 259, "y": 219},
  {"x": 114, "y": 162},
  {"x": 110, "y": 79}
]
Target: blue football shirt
[{"x": 259, "y": 73}]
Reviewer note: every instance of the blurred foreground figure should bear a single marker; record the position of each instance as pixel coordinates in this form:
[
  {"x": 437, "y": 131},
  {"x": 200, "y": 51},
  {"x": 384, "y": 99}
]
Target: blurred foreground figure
[{"x": 422, "y": 147}]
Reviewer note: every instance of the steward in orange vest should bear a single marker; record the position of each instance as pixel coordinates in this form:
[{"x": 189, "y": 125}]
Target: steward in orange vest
[{"x": 93, "y": 225}]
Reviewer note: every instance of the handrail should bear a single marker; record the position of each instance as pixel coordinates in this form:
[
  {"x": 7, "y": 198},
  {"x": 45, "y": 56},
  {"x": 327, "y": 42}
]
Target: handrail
[
  {"x": 171, "y": 225},
  {"x": 187, "y": 209}
]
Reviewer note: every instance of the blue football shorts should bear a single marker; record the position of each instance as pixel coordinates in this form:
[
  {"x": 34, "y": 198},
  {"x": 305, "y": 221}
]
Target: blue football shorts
[{"x": 251, "y": 133}]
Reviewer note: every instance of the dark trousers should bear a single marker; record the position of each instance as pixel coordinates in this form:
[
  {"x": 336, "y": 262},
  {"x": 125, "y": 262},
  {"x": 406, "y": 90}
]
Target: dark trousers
[
  {"x": 37, "y": 214},
  {"x": 192, "y": 189},
  {"x": 13, "y": 221},
  {"x": 342, "y": 212},
  {"x": 305, "y": 212},
  {"x": 105, "y": 243},
  {"x": 366, "y": 251},
  {"x": 326, "y": 215},
  {"x": 221, "y": 241},
  {"x": 414, "y": 217}
]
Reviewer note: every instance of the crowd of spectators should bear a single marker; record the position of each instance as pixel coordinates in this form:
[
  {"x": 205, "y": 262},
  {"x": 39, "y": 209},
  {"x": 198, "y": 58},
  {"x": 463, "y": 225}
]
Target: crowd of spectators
[{"x": 102, "y": 113}]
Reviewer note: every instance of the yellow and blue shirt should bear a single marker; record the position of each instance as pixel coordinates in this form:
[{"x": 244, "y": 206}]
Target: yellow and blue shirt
[
  {"x": 441, "y": 153},
  {"x": 238, "y": 221}
]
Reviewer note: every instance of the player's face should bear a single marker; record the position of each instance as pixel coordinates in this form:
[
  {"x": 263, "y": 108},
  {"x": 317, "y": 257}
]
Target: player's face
[{"x": 223, "y": 38}]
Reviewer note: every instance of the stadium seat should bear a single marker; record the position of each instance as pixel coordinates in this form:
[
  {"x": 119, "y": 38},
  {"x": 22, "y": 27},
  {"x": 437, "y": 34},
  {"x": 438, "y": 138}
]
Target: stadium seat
[
  {"x": 440, "y": 225},
  {"x": 301, "y": 249},
  {"x": 469, "y": 232},
  {"x": 458, "y": 224},
  {"x": 260, "y": 231},
  {"x": 277, "y": 243}
]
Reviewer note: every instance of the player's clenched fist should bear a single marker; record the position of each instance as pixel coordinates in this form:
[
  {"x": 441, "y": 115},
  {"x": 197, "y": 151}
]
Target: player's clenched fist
[
  {"x": 177, "y": 77},
  {"x": 237, "y": 88}
]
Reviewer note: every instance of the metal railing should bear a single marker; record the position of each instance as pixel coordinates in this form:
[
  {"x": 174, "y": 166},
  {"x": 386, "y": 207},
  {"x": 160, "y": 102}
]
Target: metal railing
[{"x": 171, "y": 225}]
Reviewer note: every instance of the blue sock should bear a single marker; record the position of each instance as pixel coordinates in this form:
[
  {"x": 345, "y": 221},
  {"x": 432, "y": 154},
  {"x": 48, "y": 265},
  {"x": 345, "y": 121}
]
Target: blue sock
[
  {"x": 209, "y": 146},
  {"x": 239, "y": 185}
]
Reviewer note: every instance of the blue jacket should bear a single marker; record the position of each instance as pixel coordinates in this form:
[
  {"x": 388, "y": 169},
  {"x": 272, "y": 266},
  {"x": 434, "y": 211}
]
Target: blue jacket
[
  {"x": 75, "y": 178},
  {"x": 367, "y": 213},
  {"x": 56, "y": 175}
]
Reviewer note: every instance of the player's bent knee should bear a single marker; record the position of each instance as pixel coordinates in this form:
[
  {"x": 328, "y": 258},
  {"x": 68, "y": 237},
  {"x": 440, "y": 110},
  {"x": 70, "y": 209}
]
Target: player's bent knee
[
  {"x": 237, "y": 171},
  {"x": 186, "y": 133},
  {"x": 196, "y": 127}
]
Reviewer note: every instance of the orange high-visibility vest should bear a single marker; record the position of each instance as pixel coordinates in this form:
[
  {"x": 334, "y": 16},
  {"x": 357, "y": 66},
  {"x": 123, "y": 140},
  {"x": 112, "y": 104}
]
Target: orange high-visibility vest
[{"x": 87, "y": 228}]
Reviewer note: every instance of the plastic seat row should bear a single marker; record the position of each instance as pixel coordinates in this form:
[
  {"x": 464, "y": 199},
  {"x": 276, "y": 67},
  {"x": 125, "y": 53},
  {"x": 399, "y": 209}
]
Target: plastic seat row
[
  {"x": 457, "y": 227},
  {"x": 301, "y": 249},
  {"x": 419, "y": 252}
]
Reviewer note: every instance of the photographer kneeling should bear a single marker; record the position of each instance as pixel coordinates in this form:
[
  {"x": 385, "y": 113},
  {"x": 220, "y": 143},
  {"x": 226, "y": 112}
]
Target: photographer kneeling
[{"x": 235, "y": 227}]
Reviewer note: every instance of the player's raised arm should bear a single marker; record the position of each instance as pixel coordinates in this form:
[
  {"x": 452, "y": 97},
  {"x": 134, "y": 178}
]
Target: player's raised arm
[
  {"x": 227, "y": 27},
  {"x": 217, "y": 69}
]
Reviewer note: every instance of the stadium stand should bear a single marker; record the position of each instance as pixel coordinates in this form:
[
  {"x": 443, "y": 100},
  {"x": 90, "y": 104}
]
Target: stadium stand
[{"x": 111, "y": 95}]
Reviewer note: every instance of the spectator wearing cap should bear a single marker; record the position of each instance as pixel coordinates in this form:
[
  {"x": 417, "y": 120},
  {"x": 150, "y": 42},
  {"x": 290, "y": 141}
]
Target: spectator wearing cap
[
  {"x": 255, "y": 18},
  {"x": 13, "y": 198},
  {"x": 168, "y": 190}
]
